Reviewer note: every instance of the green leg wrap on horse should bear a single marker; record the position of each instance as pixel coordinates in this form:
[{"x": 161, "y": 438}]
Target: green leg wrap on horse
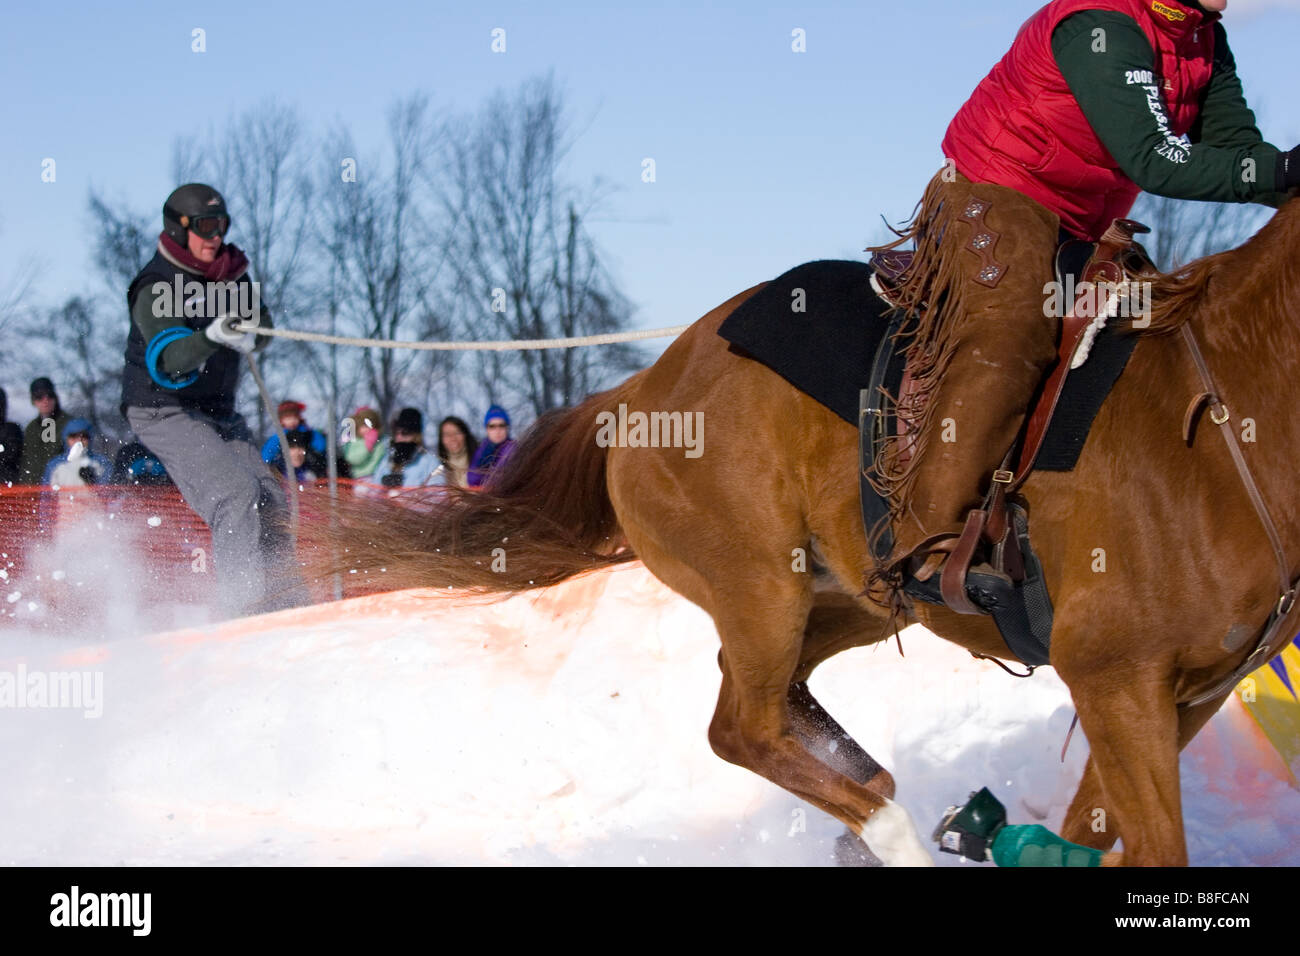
[
  {"x": 1034, "y": 845},
  {"x": 979, "y": 831}
]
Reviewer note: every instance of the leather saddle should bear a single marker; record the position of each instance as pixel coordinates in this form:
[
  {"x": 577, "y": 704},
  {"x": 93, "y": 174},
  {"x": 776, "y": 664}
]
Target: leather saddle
[{"x": 1007, "y": 583}]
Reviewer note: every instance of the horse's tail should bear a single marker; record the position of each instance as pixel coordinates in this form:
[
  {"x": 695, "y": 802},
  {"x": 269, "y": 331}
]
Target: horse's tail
[{"x": 543, "y": 516}]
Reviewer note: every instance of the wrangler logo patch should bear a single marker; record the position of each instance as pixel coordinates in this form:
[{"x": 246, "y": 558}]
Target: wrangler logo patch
[{"x": 1168, "y": 12}]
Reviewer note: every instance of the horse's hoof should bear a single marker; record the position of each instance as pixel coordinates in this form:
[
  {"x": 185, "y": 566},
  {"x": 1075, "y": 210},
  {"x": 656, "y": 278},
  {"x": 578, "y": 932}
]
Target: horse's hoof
[{"x": 851, "y": 851}]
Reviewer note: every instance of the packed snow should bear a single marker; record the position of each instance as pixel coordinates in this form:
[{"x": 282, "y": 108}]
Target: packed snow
[{"x": 565, "y": 726}]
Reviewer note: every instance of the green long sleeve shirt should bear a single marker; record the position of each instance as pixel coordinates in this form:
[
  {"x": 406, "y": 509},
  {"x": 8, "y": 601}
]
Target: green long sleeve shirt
[
  {"x": 185, "y": 354},
  {"x": 1222, "y": 159}
]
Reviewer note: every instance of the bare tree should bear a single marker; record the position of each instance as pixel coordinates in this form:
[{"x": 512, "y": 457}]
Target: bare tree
[
  {"x": 86, "y": 349},
  {"x": 15, "y": 293},
  {"x": 188, "y": 162},
  {"x": 387, "y": 250},
  {"x": 124, "y": 240},
  {"x": 81, "y": 342},
  {"x": 1182, "y": 230},
  {"x": 524, "y": 266}
]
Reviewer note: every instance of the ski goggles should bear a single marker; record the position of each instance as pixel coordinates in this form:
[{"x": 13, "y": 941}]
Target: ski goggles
[{"x": 206, "y": 227}]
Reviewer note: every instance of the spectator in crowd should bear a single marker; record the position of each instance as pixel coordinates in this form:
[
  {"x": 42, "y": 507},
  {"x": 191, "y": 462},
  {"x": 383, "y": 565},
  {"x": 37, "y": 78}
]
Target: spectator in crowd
[
  {"x": 183, "y": 360},
  {"x": 364, "y": 444},
  {"x": 456, "y": 447},
  {"x": 308, "y": 464},
  {"x": 409, "y": 464},
  {"x": 291, "y": 420},
  {"x": 496, "y": 447},
  {"x": 41, "y": 439},
  {"x": 136, "y": 465},
  {"x": 77, "y": 465},
  {"x": 11, "y": 444}
]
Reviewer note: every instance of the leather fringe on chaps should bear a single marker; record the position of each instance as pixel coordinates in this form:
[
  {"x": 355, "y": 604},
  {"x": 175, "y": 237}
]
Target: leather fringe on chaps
[{"x": 929, "y": 295}]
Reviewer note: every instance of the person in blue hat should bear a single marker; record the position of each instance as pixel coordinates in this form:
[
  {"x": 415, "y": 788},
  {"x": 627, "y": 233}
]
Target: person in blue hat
[
  {"x": 495, "y": 449},
  {"x": 78, "y": 465}
]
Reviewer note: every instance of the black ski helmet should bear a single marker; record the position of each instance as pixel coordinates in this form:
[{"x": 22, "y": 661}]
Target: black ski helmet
[{"x": 190, "y": 202}]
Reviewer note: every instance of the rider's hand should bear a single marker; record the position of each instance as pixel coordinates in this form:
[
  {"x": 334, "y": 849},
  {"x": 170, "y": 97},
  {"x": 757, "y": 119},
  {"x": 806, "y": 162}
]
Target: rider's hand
[
  {"x": 1288, "y": 171},
  {"x": 221, "y": 332}
]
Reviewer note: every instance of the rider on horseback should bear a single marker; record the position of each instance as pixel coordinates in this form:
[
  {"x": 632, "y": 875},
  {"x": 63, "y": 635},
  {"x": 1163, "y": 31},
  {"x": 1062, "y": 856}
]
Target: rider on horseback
[{"x": 1096, "y": 101}]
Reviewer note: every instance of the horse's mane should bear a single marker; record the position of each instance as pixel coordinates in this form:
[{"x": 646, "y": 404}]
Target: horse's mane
[{"x": 1177, "y": 295}]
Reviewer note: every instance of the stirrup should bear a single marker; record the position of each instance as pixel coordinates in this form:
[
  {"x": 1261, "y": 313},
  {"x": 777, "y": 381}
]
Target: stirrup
[
  {"x": 986, "y": 523},
  {"x": 984, "y": 588}
]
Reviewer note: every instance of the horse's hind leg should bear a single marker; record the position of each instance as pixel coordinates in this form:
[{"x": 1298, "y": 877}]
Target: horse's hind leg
[
  {"x": 756, "y": 726},
  {"x": 836, "y": 623},
  {"x": 761, "y": 610},
  {"x": 724, "y": 538},
  {"x": 823, "y": 737}
]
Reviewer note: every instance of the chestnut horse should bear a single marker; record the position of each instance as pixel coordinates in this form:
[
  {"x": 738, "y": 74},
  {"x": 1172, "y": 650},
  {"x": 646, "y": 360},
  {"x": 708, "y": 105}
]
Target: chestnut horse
[{"x": 1159, "y": 571}]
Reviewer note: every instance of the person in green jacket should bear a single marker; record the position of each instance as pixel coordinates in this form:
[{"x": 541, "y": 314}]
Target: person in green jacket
[
  {"x": 41, "y": 441},
  {"x": 364, "y": 444}
]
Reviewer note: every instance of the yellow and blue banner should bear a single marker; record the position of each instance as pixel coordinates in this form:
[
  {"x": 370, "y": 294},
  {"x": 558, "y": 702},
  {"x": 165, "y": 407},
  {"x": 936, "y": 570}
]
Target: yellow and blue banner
[{"x": 1270, "y": 696}]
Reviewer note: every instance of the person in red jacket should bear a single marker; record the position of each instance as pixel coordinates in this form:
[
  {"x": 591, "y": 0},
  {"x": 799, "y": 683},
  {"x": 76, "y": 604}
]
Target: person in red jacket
[{"x": 1095, "y": 101}]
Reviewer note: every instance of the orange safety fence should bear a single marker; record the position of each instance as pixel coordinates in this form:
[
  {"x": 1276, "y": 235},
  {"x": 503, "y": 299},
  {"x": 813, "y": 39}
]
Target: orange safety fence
[{"x": 165, "y": 540}]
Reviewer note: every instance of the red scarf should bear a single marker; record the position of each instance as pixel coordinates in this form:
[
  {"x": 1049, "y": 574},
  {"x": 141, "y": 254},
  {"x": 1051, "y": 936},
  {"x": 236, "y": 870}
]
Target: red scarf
[{"x": 230, "y": 263}]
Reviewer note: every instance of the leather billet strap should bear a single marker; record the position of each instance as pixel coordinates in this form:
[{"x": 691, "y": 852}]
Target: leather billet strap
[
  {"x": 952, "y": 579},
  {"x": 989, "y": 522},
  {"x": 1274, "y": 636},
  {"x": 1220, "y": 416}
]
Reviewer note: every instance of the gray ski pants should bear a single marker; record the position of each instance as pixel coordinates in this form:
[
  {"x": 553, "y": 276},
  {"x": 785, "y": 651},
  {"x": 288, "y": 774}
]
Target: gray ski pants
[{"x": 223, "y": 478}]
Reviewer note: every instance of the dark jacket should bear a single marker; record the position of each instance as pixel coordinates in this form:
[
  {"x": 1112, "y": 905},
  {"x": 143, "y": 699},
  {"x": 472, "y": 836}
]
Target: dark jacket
[
  {"x": 37, "y": 452},
  {"x": 213, "y": 392},
  {"x": 11, "y": 450}
]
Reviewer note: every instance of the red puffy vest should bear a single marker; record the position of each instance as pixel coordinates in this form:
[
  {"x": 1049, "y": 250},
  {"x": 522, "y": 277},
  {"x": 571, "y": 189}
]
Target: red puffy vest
[{"x": 1023, "y": 128}]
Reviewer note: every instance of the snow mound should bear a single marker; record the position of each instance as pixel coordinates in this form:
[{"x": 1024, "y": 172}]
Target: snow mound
[{"x": 563, "y": 726}]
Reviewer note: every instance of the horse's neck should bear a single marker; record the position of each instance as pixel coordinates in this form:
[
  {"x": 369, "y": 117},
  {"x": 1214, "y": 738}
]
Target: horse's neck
[
  {"x": 1248, "y": 324},
  {"x": 1249, "y": 317}
]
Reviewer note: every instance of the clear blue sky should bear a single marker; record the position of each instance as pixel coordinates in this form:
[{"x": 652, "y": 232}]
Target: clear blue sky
[{"x": 765, "y": 157}]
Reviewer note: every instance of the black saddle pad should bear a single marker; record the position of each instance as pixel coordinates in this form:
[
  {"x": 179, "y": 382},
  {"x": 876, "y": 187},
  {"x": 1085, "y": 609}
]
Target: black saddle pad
[{"x": 818, "y": 326}]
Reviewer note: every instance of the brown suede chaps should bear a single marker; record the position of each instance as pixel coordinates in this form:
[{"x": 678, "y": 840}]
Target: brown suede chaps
[{"x": 979, "y": 341}]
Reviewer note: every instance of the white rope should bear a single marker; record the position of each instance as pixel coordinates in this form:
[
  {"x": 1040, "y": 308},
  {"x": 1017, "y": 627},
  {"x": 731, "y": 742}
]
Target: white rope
[{"x": 503, "y": 345}]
